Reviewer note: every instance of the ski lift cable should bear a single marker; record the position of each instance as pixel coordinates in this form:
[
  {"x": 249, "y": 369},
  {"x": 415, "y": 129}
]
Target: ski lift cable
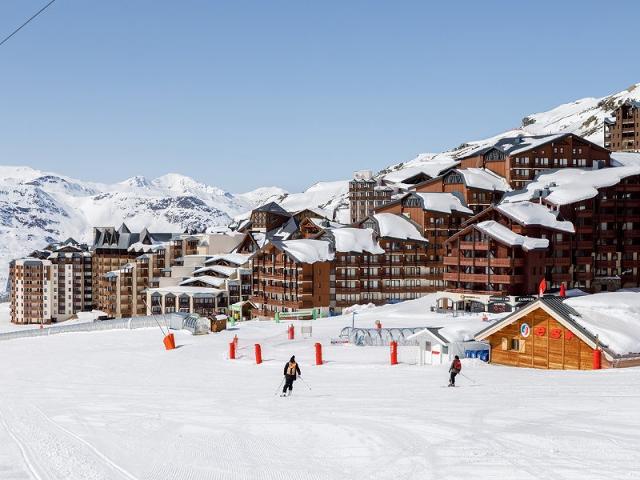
[{"x": 26, "y": 23}]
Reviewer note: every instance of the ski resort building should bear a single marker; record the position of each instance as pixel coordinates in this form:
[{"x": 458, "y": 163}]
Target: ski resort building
[
  {"x": 576, "y": 227},
  {"x": 478, "y": 188},
  {"x": 503, "y": 251},
  {"x": 365, "y": 194},
  {"x": 438, "y": 216},
  {"x": 380, "y": 262},
  {"x": 147, "y": 261},
  {"x": 622, "y": 132},
  {"x": 576, "y": 334},
  {"x": 519, "y": 159},
  {"x": 31, "y": 290},
  {"x": 52, "y": 284}
]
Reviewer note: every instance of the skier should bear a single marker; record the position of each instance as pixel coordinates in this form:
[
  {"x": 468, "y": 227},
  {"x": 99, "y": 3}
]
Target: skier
[
  {"x": 291, "y": 370},
  {"x": 454, "y": 370}
]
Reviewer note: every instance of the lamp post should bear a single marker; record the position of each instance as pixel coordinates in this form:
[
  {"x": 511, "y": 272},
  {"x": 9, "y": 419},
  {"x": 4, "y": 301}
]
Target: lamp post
[{"x": 353, "y": 319}]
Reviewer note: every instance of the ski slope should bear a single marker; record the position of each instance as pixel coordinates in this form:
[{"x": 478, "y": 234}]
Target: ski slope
[{"x": 115, "y": 405}]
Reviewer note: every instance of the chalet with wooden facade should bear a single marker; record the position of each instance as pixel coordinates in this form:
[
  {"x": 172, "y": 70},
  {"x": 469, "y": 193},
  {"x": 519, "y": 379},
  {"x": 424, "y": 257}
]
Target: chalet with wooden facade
[
  {"x": 507, "y": 249},
  {"x": 291, "y": 275},
  {"x": 519, "y": 159},
  {"x": 381, "y": 261},
  {"x": 479, "y": 188},
  {"x": 551, "y": 333},
  {"x": 622, "y": 132}
]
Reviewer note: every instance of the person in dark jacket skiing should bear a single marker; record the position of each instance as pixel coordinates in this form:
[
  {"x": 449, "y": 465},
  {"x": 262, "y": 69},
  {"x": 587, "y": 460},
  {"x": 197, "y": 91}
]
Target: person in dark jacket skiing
[
  {"x": 291, "y": 371},
  {"x": 454, "y": 370}
]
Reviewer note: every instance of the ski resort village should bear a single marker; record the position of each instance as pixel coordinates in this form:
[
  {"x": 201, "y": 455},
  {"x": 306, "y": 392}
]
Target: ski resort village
[
  {"x": 223, "y": 256},
  {"x": 469, "y": 313}
]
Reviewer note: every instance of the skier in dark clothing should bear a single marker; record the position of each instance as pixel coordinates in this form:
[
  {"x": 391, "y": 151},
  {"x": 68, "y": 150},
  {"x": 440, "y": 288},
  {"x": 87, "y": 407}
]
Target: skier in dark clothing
[
  {"x": 454, "y": 370},
  {"x": 291, "y": 371}
]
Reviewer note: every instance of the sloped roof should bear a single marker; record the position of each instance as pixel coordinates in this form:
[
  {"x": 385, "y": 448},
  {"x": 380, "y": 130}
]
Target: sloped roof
[
  {"x": 273, "y": 207},
  {"x": 563, "y": 313}
]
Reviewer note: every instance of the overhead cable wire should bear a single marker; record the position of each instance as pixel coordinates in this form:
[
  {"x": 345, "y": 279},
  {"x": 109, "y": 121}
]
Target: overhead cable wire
[{"x": 26, "y": 23}]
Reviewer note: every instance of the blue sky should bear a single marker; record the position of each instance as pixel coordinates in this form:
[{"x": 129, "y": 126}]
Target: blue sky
[{"x": 242, "y": 94}]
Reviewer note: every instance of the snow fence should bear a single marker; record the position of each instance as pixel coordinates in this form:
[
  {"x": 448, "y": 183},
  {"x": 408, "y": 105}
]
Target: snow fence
[{"x": 174, "y": 321}]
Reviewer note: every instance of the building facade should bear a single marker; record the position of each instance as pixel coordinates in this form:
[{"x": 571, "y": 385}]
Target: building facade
[
  {"x": 622, "y": 132},
  {"x": 382, "y": 261},
  {"x": 31, "y": 291},
  {"x": 582, "y": 231},
  {"x": 520, "y": 159},
  {"x": 365, "y": 195},
  {"x": 51, "y": 285},
  {"x": 438, "y": 216}
]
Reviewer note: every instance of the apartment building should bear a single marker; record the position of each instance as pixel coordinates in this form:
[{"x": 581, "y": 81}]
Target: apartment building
[
  {"x": 365, "y": 194},
  {"x": 438, "y": 216},
  {"x": 582, "y": 230},
  {"x": 31, "y": 291},
  {"x": 67, "y": 290},
  {"x": 506, "y": 250},
  {"x": 519, "y": 159},
  {"x": 622, "y": 131},
  {"x": 479, "y": 188},
  {"x": 378, "y": 262}
]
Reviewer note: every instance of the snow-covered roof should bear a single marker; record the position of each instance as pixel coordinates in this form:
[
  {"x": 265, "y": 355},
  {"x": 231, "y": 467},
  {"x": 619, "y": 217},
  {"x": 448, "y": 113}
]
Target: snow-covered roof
[
  {"x": 610, "y": 320},
  {"x": 140, "y": 247},
  {"x": 429, "y": 164},
  {"x": 207, "y": 279},
  {"x": 442, "y": 202},
  {"x": 306, "y": 250},
  {"x": 504, "y": 235},
  {"x": 191, "y": 291},
  {"x": 483, "y": 179},
  {"x": 324, "y": 223},
  {"x": 613, "y": 316},
  {"x": 360, "y": 240},
  {"x": 514, "y": 146},
  {"x": 236, "y": 258},
  {"x": 396, "y": 226},
  {"x": 221, "y": 269},
  {"x": 625, "y": 159},
  {"x": 529, "y": 214},
  {"x": 571, "y": 185}
]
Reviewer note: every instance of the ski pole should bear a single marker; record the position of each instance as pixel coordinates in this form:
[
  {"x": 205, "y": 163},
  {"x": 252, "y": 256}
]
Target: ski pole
[
  {"x": 279, "y": 387},
  {"x": 471, "y": 380},
  {"x": 305, "y": 383}
]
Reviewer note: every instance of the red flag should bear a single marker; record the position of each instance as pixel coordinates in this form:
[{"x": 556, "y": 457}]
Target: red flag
[
  {"x": 542, "y": 287},
  {"x": 563, "y": 291}
]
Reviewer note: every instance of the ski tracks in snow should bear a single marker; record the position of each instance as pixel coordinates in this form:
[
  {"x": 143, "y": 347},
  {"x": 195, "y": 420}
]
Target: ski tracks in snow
[{"x": 50, "y": 451}]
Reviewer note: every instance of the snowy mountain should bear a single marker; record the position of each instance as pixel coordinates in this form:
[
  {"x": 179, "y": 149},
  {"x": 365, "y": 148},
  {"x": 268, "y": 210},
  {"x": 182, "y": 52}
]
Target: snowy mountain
[
  {"x": 39, "y": 207},
  {"x": 584, "y": 117}
]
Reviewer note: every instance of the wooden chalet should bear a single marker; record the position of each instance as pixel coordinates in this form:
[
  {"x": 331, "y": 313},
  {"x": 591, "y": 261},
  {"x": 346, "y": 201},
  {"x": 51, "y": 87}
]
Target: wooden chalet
[
  {"x": 550, "y": 334},
  {"x": 284, "y": 281},
  {"x": 507, "y": 249},
  {"x": 438, "y": 216},
  {"x": 479, "y": 188}
]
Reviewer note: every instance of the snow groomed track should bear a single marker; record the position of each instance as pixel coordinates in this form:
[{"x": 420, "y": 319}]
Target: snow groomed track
[{"x": 115, "y": 405}]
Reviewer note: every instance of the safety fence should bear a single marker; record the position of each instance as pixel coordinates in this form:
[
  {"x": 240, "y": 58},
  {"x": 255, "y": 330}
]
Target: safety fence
[
  {"x": 173, "y": 321},
  {"x": 380, "y": 336}
]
